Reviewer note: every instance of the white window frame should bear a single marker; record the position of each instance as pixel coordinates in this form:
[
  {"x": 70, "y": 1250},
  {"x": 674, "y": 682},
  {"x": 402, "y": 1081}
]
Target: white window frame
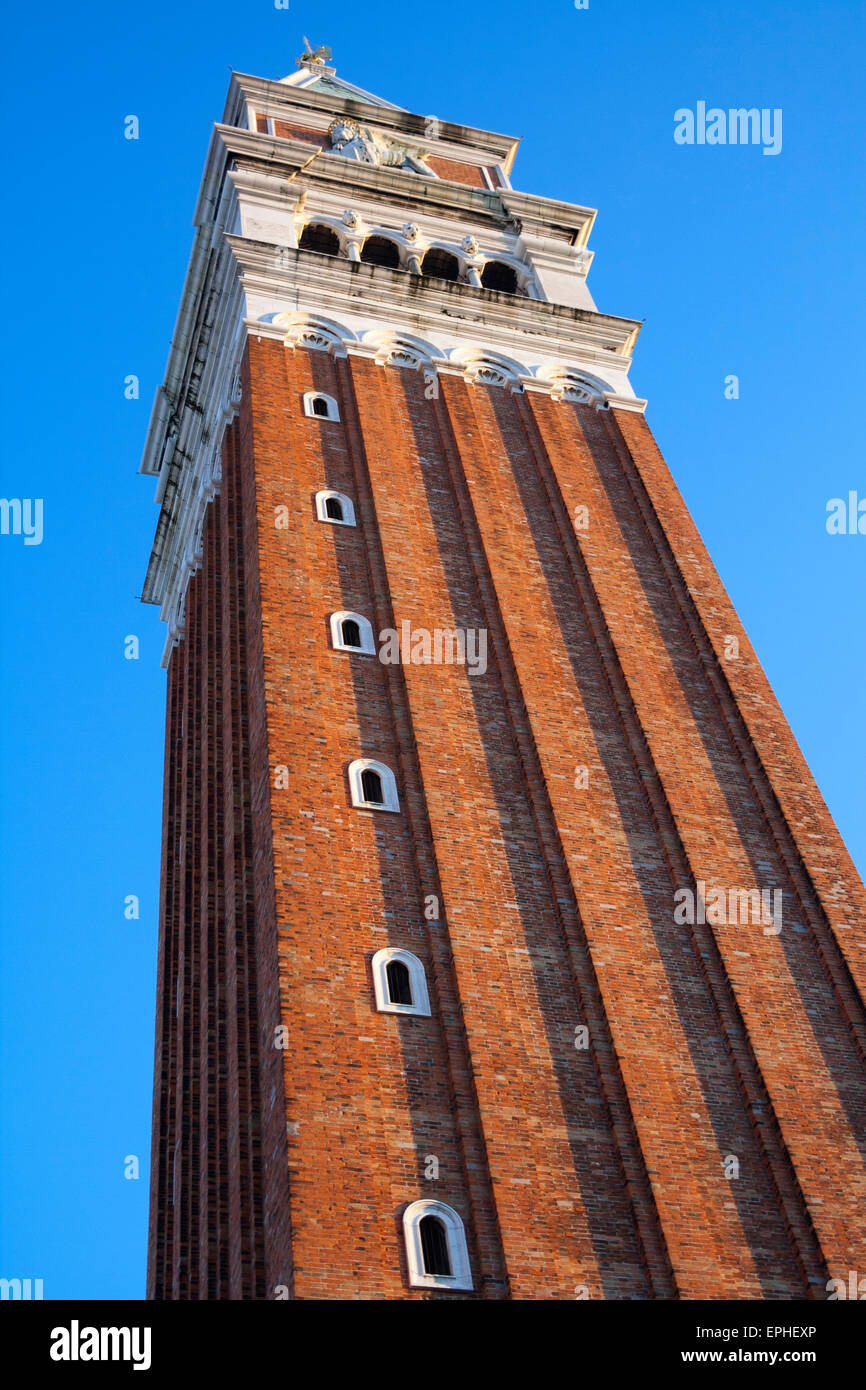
[
  {"x": 420, "y": 1005},
  {"x": 455, "y": 1235},
  {"x": 333, "y": 409},
  {"x": 348, "y": 508},
  {"x": 389, "y": 786},
  {"x": 368, "y": 645}
]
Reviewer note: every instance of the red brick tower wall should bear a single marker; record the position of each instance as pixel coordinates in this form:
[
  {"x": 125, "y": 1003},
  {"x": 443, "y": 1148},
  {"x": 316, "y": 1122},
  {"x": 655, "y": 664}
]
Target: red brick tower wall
[
  {"x": 216, "y": 961},
  {"x": 595, "y": 1171}
]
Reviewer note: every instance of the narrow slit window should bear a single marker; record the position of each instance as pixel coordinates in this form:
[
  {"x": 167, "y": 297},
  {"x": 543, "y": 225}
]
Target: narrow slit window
[
  {"x": 371, "y": 786},
  {"x": 338, "y": 509},
  {"x": 434, "y": 1247},
  {"x": 318, "y": 406},
  {"x": 351, "y": 632},
  {"x": 399, "y": 982},
  {"x": 436, "y": 1250}
]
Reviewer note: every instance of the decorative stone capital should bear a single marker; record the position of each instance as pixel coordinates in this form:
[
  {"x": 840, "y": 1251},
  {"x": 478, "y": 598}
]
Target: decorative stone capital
[
  {"x": 397, "y": 356},
  {"x": 484, "y": 374},
  {"x": 569, "y": 391},
  {"x": 397, "y": 350},
  {"x": 306, "y": 335}
]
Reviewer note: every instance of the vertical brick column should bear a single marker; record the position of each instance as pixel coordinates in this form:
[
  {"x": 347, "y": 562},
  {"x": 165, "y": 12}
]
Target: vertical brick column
[
  {"x": 787, "y": 786},
  {"x": 679, "y": 1092},
  {"x": 367, "y": 1095},
  {"x": 163, "y": 1117},
  {"x": 244, "y": 1160},
  {"x": 538, "y": 1097},
  {"x": 790, "y": 1009}
]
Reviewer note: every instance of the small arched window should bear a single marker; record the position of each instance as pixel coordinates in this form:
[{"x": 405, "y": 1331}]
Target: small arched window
[
  {"x": 335, "y": 507},
  {"x": 373, "y": 786},
  {"x": 316, "y": 236},
  {"x": 352, "y": 633},
  {"x": 320, "y": 407},
  {"x": 496, "y": 275},
  {"x": 441, "y": 264},
  {"x": 434, "y": 1246},
  {"x": 436, "y": 1250},
  {"x": 400, "y": 983},
  {"x": 380, "y": 250}
]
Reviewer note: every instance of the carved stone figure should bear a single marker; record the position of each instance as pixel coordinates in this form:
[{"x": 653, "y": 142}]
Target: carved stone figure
[
  {"x": 369, "y": 147},
  {"x": 346, "y": 139}
]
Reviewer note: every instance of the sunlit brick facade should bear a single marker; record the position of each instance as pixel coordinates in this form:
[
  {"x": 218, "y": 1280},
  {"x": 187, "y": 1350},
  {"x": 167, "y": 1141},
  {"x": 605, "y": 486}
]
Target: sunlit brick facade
[{"x": 613, "y": 1096}]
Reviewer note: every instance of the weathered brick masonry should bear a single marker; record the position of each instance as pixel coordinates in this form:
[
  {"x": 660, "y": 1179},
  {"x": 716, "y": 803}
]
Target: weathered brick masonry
[
  {"x": 598, "y": 1169},
  {"x": 615, "y": 1101}
]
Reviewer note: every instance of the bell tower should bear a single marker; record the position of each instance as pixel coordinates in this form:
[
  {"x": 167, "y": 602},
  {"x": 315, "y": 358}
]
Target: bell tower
[{"x": 507, "y": 947}]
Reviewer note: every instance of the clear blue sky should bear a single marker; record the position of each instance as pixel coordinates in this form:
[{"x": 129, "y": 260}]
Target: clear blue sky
[{"x": 739, "y": 262}]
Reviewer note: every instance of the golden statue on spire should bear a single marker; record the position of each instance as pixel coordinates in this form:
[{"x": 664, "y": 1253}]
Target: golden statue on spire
[{"x": 320, "y": 56}]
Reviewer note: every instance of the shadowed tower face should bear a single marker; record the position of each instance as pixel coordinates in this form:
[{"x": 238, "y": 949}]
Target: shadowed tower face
[{"x": 507, "y": 947}]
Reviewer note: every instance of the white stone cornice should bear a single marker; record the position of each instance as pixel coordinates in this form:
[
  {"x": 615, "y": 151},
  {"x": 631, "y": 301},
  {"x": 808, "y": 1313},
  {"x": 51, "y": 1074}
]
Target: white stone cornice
[
  {"x": 260, "y": 189},
  {"x": 532, "y": 211},
  {"x": 271, "y": 272},
  {"x": 471, "y": 361},
  {"x": 291, "y": 102},
  {"x": 522, "y": 210},
  {"x": 632, "y": 403}
]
